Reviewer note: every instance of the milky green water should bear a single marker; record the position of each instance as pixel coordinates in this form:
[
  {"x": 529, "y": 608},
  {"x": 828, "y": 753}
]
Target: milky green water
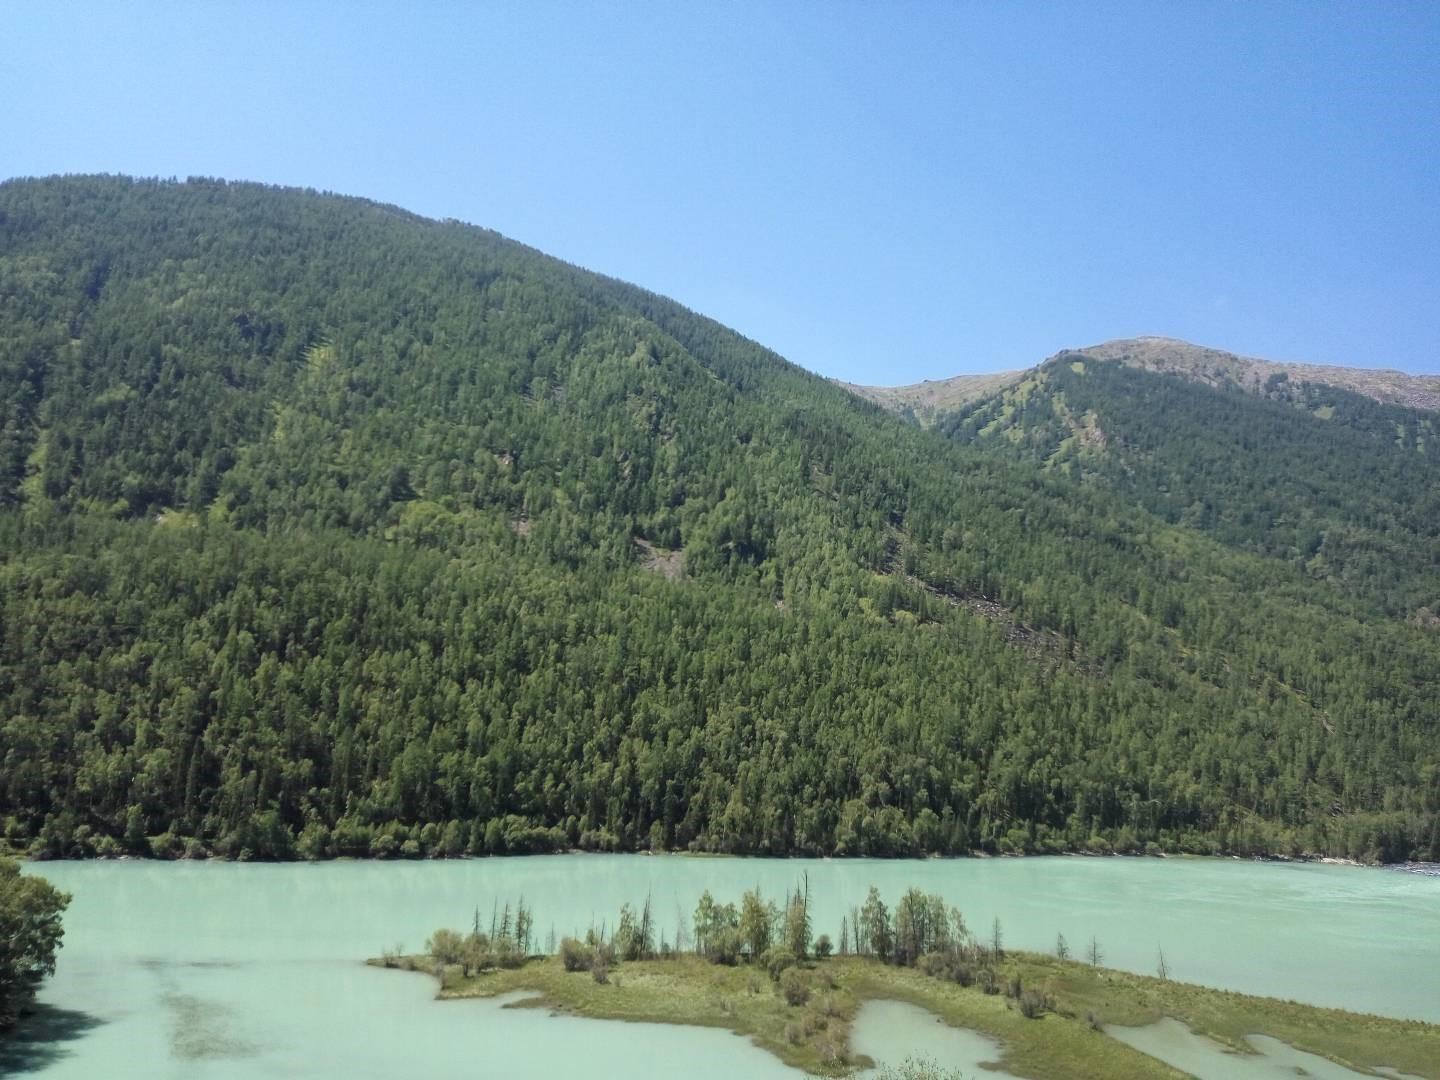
[
  {"x": 216, "y": 970},
  {"x": 890, "y": 1031}
]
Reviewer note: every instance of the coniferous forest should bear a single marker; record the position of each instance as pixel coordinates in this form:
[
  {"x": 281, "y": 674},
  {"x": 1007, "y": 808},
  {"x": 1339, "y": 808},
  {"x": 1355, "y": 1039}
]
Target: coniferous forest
[
  {"x": 1340, "y": 485},
  {"x": 326, "y": 529}
]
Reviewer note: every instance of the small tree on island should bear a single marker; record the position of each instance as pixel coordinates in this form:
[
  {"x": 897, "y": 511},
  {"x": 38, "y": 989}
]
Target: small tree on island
[
  {"x": 797, "y": 921},
  {"x": 446, "y": 946},
  {"x": 757, "y": 923},
  {"x": 635, "y": 935},
  {"x": 875, "y": 922}
]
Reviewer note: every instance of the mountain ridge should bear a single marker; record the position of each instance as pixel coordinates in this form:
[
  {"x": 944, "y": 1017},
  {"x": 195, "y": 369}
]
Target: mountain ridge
[{"x": 929, "y": 399}]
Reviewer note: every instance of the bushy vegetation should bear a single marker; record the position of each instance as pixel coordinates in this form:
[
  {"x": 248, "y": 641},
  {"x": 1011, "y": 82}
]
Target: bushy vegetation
[
  {"x": 923, "y": 932},
  {"x": 329, "y": 530},
  {"x": 507, "y": 945},
  {"x": 30, "y": 935}
]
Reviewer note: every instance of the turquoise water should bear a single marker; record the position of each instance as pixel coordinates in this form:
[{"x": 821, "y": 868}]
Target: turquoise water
[
  {"x": 890, "y": 1031},
  {"x": 218, "y": 970}
]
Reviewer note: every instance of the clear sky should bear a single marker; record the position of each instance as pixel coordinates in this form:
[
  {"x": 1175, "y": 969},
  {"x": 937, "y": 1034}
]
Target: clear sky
[{"x": 882, "y": 192}]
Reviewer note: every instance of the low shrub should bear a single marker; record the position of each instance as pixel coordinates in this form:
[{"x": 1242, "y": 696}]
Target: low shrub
[
  {"x": 446, "y": 946},
  {"x": 795, "y": 987},
  {"x": 725, "y": 947},
  {"x": 1034, "y": 1004},
  {"x": 950, "y": 966},
  {"x": 575, "y": 955},
  {"x": 505, "y": 953},
  {"x": 777, "y": 960}
]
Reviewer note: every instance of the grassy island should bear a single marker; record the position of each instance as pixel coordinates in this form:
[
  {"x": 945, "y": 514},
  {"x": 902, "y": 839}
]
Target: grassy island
[{"x": 753, "y": 970}]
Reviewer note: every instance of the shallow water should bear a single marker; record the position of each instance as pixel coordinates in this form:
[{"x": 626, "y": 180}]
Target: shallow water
[
  {"x": 891, "y": 1031},
  {"x": 219, "y": 970},
  {"x": 314, "y": 1018},
  {"x": 1175, "y": 1044}
]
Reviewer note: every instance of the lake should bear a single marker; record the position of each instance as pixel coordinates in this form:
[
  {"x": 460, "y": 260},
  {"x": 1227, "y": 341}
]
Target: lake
[{"x": 221, "y": 970}]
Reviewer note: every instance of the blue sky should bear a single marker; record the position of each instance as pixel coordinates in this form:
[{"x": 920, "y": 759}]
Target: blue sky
[{"x": 882, "y": 192}]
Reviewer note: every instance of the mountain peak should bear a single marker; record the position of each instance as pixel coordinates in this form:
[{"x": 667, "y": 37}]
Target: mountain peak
[
  {"x": 1219, "y": 367},
  {"x": 1199, "y": 363}
]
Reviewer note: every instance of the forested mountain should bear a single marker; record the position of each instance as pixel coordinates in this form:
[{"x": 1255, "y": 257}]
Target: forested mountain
[
  {"x": 1332, "y": 481},
  {"x": 328, "y": 529}
]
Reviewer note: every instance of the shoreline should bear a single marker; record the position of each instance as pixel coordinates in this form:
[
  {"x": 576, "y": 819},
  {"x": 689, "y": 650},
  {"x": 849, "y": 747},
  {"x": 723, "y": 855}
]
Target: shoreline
[{"x": 1410, "y": 865}]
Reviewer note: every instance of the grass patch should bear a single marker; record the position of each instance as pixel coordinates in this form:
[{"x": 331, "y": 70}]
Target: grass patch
[
  {"x": 683, "y": 990},
  {"x": 1357, "y": 1040},
  {"x": 1062, "y": 1043}
]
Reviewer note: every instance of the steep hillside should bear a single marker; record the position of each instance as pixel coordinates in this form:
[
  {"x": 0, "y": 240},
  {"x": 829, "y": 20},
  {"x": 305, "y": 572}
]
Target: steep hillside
[
  {"x": 327, "y": 529},
  {"x": 1328, "y": 480}
]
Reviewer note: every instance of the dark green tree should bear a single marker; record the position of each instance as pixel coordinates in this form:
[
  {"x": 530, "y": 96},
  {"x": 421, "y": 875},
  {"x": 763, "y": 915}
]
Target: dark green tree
[{"x": 30, "y": 936}]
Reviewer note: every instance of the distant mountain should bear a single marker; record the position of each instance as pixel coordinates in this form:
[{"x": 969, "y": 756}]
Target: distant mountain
[
  {"x": 329, "y": 529},
  {"x": 926, "y": 400},
  {"x": 1213, "y": 367},
  {"x": 1336, "y": 477}
]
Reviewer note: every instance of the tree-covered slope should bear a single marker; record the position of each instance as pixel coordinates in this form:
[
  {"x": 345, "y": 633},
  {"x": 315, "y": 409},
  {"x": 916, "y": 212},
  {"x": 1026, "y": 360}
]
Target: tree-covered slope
[
  {"x": 1333, "y": 482},
  {"x": 331, "y": 529},
  {"x": 1216, "y": 367}
]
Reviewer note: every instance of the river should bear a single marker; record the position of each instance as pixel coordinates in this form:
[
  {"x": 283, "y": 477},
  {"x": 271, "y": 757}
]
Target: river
[{"x": 221, "y": 970}]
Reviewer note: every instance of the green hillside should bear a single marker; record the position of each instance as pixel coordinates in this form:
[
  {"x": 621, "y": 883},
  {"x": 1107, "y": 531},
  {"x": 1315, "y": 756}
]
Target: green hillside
[
  {"x": 328, "y": 529},
  {"x": 1343, "y": 487}
]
